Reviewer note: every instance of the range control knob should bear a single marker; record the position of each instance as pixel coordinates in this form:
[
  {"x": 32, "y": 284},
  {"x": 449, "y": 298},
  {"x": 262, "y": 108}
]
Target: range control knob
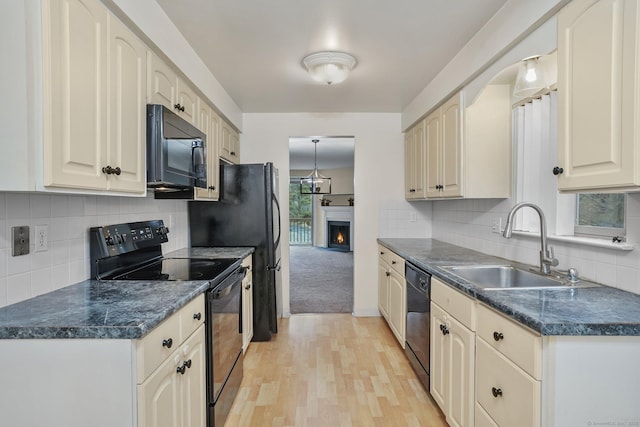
[
  {"x": 110, "y": 240},
  {"x": 162, "y": 231},
  {"x": 119, "y": 239}
]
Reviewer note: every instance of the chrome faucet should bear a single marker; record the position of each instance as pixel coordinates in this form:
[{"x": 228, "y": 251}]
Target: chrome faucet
[{"x": 547, "y": 259}]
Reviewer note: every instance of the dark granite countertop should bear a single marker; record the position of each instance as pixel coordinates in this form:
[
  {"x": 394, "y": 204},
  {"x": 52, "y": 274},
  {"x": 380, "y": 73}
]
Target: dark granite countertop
[
  {"x": 599, "y": 310},
  {"x": 107, "y": 309}
]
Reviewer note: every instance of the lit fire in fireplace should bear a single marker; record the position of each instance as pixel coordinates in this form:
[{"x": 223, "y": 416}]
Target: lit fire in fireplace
[{"x": 340, "y": 238}]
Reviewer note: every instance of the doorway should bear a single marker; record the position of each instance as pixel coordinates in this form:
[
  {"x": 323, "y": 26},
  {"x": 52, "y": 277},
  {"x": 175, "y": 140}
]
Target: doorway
[{"x": 321, "y": 274}]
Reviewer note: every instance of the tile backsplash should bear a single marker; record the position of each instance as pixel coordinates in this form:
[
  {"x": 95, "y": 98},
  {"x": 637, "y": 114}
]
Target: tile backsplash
[
  {"x": 402, "y": 219},
  {"x": 69, "y": 218},
  {"x": 467, "y": 223}
]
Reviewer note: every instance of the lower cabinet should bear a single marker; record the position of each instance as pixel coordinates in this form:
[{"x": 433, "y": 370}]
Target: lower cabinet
[
  {"x": 174, "y": 394},
  {"x": 392, "y": 292},
  {"x": 452, "y": 354},
  {"x": 247, "y": 304}
]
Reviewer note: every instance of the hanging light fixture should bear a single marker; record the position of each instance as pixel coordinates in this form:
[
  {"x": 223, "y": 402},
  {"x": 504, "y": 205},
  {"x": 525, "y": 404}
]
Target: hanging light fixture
[
  {"x": 531, "y": 78},
  {"x": 315, "y": 183},
  {"x": 329, "y": 67}
]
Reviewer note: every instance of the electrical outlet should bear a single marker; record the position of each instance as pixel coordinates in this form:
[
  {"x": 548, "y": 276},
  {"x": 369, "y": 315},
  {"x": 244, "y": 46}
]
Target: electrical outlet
[
  {"x": 496, "y": 225},
  {"x": 42, "y": 238},
  {"x": 20, "y": 238}
]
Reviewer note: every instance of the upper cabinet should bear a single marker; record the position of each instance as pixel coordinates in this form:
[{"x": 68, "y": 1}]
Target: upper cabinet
[
  {"x": 209, "y": 123},
  {"x": 229, "y": 144},
  {"x": 464, "y": 152},
  {"x": 166, "y": 88},
  {"x": 598, "y": 88},
  {"x": 94, "y": 72},
  {"x": 414, "y": 172}
]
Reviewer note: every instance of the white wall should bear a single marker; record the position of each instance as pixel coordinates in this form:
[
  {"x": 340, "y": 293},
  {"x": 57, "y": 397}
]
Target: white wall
[
  {"x": 69, "y": 218},
  {"x": 378, "y": 179}
]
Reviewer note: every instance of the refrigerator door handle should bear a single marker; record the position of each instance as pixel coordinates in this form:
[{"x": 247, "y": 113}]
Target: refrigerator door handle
[
  {"x": 276, "y": 267},
  {"x": 277, "y": 241}
]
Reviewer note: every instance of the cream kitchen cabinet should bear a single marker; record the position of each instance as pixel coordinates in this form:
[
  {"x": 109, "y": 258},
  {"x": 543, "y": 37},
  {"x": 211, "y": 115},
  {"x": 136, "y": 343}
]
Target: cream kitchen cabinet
[
  {"x": 414, "y": 163},
  {"x": 209, "y": 123},
  {"x": 599, "y": 132},
  {"x": 443, "y": 133},
  {"x": 229, "y": 143},
  {"x": 509, "y": 370},
  {"x": 92, "y": 62},
  {"x": 392, "y": 290},
  {"x": 452, "y": 363},
  {"x": 466, "y": 150},
  {"x": 168, "y": 89},
  {"x": 247, "y": 304}
]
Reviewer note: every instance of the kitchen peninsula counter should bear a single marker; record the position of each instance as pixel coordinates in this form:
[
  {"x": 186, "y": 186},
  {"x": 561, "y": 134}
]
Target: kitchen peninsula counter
[
  {"x": 108, "y": 309},
  {"x": 598, "y": 310}
]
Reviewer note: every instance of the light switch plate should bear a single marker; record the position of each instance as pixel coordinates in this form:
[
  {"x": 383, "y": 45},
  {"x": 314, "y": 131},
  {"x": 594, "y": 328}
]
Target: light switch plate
[{"x": 20, "y": 238}]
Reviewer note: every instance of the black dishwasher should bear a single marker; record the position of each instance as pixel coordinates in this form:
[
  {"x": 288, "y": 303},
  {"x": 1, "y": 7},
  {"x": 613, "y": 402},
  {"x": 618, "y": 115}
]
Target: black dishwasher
[{"x": 418, "y": 313}]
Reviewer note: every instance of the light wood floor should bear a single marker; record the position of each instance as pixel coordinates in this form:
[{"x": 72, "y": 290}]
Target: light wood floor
[{"x": 331, "y": 370}]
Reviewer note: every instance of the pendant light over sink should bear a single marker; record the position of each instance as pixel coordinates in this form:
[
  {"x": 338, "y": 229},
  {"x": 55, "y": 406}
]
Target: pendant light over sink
[
  {"x": 329, "y": 67},
  {"x": 315, "y": 183}
]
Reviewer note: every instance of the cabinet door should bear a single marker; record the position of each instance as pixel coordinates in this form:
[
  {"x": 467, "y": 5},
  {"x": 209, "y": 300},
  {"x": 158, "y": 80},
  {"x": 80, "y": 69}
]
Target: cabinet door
[
  {"x": 383, "y": 288},
  {"x": 439, "y": 358},
  {"x": 193, "y": 382},
  {"x": 128, "y": 119},
  {"x": 159, "y": 398},
  {"x": 397, "y": 305},
  {"x": 228, "y": 143},
  {"x": 409, "y": 186},
  {"x": 75, "y": 94},
  {"x": 206, "y": 125},
  {"x": 432, "y": 147},
  {"x": 247, "y": 310},
  {"x": 418, "y": 162},
  {"x": 451, "y": 137},
  {"x": 162, "y": 83},
  {"x": 597, "y": 93},
  {"x": 461, "y": 375},
  {"x": 188, "y": 101}
]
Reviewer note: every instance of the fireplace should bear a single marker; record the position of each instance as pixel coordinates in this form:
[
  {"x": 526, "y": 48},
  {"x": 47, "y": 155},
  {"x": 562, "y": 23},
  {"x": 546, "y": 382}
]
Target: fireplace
[{"x": 338, "y": 235}]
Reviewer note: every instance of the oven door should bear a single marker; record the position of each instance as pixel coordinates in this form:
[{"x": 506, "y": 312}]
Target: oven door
[{"x": 224, "y": 346}]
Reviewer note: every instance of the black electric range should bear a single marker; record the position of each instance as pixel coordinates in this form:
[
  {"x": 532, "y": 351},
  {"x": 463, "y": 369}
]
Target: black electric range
[{"x": 132, "y": 251}]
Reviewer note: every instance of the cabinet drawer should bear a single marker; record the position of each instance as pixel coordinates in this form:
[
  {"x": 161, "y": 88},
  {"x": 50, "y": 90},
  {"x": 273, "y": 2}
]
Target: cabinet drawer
[
  {"x": 518, "y": 403},
  {"x": 153, "y": 349},
  {"x": 191, "y": 317},
  {"x": 521, "y": 346},
  {"x": 394, "y": 260},
  {"x": 455, "y": 303}
]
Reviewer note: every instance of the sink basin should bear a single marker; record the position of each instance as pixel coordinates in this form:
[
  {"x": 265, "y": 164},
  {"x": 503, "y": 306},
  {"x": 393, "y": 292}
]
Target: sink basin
[{"x": 492, "y": 277}]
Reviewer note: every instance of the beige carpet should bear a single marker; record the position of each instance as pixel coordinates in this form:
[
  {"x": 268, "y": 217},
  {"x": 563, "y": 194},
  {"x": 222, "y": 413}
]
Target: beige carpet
[{"x": 321, "y": 280}]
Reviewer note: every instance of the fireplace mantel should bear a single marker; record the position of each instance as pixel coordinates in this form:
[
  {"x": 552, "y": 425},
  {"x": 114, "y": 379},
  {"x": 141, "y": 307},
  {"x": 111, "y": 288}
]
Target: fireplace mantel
[{"x": 337, "y": 213}]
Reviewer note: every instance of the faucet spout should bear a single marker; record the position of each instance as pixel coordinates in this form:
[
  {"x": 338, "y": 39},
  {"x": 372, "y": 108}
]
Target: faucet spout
[{"x": 547, "y": 259}]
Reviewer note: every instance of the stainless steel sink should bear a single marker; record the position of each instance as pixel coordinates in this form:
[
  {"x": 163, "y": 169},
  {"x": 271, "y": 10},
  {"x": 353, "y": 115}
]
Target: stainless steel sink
[{"x": 493, "y": 277}]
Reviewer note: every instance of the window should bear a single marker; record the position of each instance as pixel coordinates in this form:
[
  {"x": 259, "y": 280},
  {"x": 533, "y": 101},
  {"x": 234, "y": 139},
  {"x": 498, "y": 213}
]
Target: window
[
  {"x": 535, "y": 132},
  {"x": 300, "y": 215},
  {"x": 600, "y": 214}
]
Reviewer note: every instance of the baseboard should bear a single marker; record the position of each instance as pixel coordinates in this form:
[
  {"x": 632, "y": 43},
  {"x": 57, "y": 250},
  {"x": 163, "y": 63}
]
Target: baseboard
[{"x": 371, "y": 312}]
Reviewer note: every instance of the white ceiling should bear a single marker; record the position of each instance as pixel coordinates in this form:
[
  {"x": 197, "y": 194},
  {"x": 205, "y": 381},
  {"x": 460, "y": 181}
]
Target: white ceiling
[
  {"x": 332, "y": 152},
  {"x": 255, "y": 47}
]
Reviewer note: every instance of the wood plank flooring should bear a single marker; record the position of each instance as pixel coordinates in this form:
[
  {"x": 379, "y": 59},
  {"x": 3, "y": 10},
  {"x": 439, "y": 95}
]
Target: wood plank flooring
[{"x": 331, "y": 370}]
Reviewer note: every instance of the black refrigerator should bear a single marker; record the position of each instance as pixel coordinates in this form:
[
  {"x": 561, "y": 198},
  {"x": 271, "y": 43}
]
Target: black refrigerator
[{"x": 247, "y": 214}]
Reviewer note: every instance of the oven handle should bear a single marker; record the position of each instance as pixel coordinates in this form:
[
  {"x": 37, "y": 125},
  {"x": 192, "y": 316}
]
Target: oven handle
[{"x": 225, "y": 287}]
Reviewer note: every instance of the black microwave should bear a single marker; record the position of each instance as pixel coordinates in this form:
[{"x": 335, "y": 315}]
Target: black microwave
[{"x": 176, "y": 151}]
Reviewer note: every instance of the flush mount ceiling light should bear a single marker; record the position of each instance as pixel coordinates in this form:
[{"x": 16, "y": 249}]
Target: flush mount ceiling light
[
  {"x": 329, "y": 67},
  {"x": 531, "y": 78},
  {"x": 315, "y": 183}
]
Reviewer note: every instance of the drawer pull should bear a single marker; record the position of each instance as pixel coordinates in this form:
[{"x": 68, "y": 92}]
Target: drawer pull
[
  {"x": 388, "y": 274},
  {"x": 444, "y": 329},
  {"x": 187, "y": 364},
  {"x": 381, "y": 253},
  {"x": 197, "y": 316},
  {"x": 181, "y": 369},
  {"x": 248, "y": 287},
  {"x": 498, "y": 336},
  {"x": 496, "y": 391},
  {"x": 167, "y": 343},
  {"x": 393, "y": 262}
]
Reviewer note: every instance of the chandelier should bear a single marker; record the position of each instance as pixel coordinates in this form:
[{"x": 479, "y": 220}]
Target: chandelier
[{"x": 315, "y": 183}]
